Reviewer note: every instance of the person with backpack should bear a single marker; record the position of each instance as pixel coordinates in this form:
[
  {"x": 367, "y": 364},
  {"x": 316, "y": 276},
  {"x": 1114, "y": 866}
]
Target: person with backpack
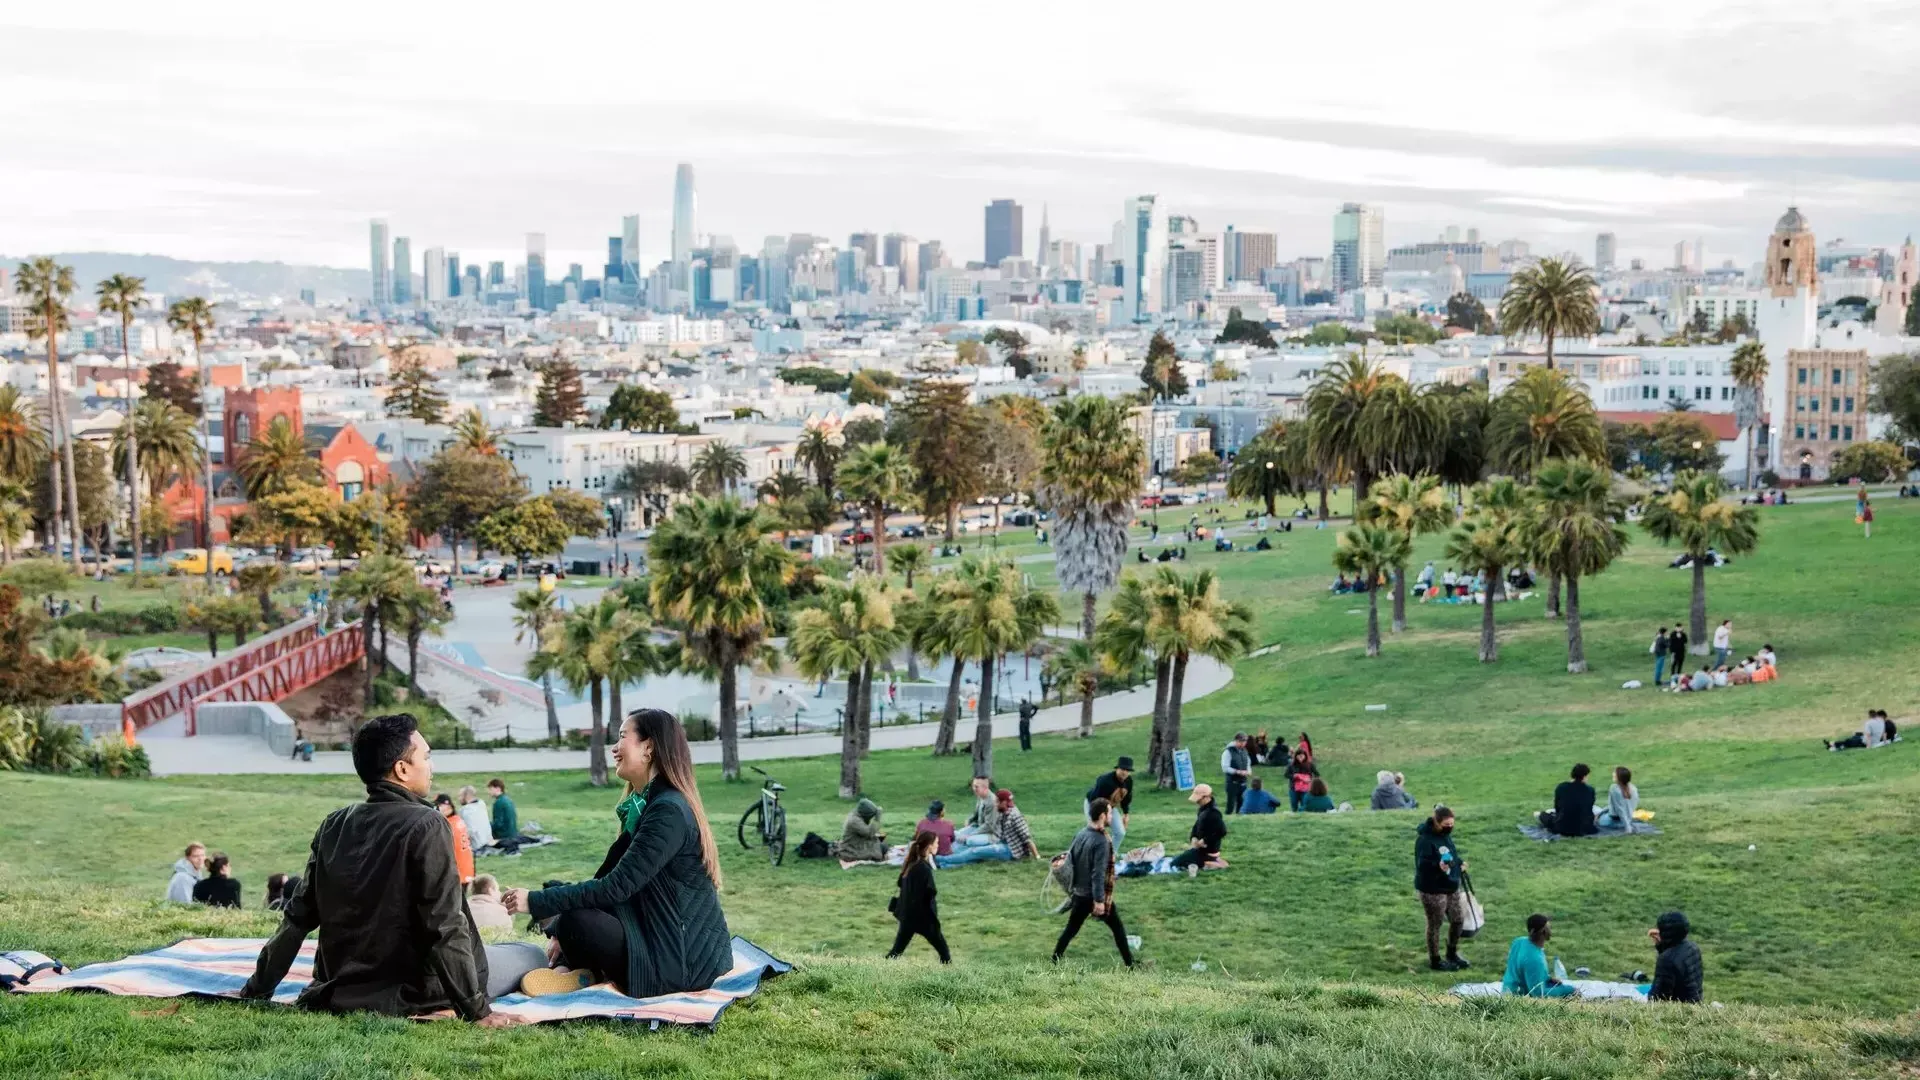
[
  {"x": 1090, "y": 863},
  {"x": 1659, "y": 651},
  {"x": 914, "y": 906}
]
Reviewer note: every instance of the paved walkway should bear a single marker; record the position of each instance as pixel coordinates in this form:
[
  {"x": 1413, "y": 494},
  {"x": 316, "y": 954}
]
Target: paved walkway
[{"x": 225, "y": 755}]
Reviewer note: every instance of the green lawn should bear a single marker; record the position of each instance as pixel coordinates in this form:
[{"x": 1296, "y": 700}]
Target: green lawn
[{"x": 1797, "y": 867}]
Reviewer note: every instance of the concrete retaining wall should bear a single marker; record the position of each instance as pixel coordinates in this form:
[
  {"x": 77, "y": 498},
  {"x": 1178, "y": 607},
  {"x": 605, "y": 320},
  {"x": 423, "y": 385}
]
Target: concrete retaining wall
[
  {"x": 95, "y": 720},
  {"x": 262, "y": 718}
]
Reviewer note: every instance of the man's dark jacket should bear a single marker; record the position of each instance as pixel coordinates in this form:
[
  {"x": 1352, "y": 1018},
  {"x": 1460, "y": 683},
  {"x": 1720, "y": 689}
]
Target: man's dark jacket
[{"x": 395, "y": 935}]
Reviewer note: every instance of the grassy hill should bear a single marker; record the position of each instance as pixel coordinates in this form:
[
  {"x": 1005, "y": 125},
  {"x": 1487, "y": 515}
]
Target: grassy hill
[{"x": 1797, "y": 867}]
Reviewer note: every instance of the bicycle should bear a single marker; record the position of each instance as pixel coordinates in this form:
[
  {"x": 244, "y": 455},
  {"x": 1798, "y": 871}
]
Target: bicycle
[{"x": 771, "y": 826}]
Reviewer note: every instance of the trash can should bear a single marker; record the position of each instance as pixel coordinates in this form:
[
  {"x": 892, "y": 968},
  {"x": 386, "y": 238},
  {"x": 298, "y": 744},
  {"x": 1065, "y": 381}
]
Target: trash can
[{"x": 585, "y": 567}]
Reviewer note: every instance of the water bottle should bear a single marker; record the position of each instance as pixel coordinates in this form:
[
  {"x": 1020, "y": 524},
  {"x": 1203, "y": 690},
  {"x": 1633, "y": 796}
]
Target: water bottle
[{"x": 1559, "y": 970}]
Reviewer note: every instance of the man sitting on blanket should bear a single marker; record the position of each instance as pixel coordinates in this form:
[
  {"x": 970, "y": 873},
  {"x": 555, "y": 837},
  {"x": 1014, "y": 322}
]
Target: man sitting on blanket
[
  {"x": 1527, "y": 974},
  {"x": 382, "y": 889}
]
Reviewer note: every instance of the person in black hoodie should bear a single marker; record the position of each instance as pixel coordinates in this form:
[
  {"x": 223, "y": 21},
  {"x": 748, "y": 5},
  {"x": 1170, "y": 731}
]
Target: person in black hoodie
[
  {"x": 914, "y": 907},
  {"x": 1572, "y": 813},
  {"x": 1677, "y": 651},
  {"x": 218, "y": 889},
  {"x": 1437, "y": 868},
  {"x": 1676, "y": 974},
  {"x": 1209, "y": 828}
]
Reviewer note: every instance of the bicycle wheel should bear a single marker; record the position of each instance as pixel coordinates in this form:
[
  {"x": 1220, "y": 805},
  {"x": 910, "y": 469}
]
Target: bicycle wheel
[
  {"x": 777, "y": 835},
  {"x": 753, "y": 815}
]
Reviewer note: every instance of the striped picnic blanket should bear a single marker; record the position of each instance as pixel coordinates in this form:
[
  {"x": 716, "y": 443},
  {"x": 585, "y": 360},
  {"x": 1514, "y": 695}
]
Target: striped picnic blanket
[{"x": 219, "y": 967}]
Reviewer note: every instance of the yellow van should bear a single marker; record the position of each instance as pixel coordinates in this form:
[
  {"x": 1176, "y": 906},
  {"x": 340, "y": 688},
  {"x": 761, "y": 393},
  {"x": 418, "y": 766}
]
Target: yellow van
[{"x": 192, "y": 561}]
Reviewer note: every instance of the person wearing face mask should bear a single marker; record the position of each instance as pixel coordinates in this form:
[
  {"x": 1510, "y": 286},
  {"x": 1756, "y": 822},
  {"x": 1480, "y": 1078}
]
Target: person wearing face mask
[
  {"x": 1527, "y": 974},
  {"x": 650, "y": 919},
  {"x": 1437, "y": 867}
]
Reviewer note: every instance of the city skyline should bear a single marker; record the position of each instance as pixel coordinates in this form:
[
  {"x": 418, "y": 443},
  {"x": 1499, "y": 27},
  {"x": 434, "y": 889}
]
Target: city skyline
[{"x": 1664, "y": 143}]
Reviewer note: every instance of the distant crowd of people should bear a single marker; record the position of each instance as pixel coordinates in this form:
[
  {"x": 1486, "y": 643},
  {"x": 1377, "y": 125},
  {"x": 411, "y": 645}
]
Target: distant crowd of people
[{"x": 1670, "y": 647}]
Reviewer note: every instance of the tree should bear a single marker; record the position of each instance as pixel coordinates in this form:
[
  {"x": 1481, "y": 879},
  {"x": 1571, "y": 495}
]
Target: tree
[
  {"x": 1363, "y": 422},
  {"x": 1126, "y": 638},
  {"x": 782, "y": 488},
  {"x": 711, "y": 558},
  {"x": 1411, "y": 506},
  {"x": 1369, "y": 552},
  {"x": 412, "y": 391},
  {"x": 1464, "y": 413},
  {"x": 1542, "y": 415},
  {"x": 1895, "y": 392},
  {"x": 849, "y": 630},
  {"x": 522, "y": 531},
  {"x": 193, "y": 316},
  {"x": 15, "y": 519},
  {"x": 559, "y": 401},
  {"x": 373, "y": 522},
  {"x": 825, "y": 380},
  {"x": 1875, "y": 462},
  {"x": 992, "y": 611},
  {"x": 654, "y": 482},
  {"x": 457, "y": 489},
  {"x": 1089, "y": 474},
  {"x": 596, "y": 648},
  {"x": 90, "y": 494},
  {"x": 716, "y": 467},
  {"x": 582, "y": 514},
  {"x": 1012, "y": 426},
  {"x": 378, "y": 584},
  {"x": 23, "y": 442},
  {"x": 29, "y": 677},
  {"x": 168, "y": 449},
  {"x": 1552, "y": 298},
  {"x": 1192, "y": 618},
  {"x": 1487, "y": 542},
  {"x": 420, "y": 613},
  {"x": 1269, "y": 466},
  {"x": 123, "y": 295},
  {"x": 1014, "y": 344},
  {"x": 38, "y": 578},
  {"x": 166, "y": 383},
  {"x": 1695, "y": 514},
  {"x": 1400, "y": 329},
  {"x": 276, "y": 460},
  {"x": 929, "y": 625},
  {"x": 1465, "y": 311},
  {"x": 259, "y": 580},
  {"x": 866, "y": 390},
  {"x": 866, "y": 429},
  {"x": 944, "y": 436},
  {"x": 1683, "y": 443},
  {"x": 1750, "y": 381},
  {"x": 1161, "y": 372},
  {"x": 1575, "y": 526},
  {"x": 1244, "y": 331},
  {"x": 638, "y": 408},
  {"x": 470, "y": 432},
  {"x": 908, "y": 560},
  {"x": 819, "y": 452},
  {"x": 533, "y": 611},
  {"x": 875, "y": 476},
  {"x": 1912, "y": 328},
  {"x": 1198, "y": 469},
  {"x": 46, "y": 287}
]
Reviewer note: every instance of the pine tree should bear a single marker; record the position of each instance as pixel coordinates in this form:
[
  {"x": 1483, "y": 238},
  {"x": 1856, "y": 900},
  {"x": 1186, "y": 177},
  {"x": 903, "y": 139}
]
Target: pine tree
[
  {"x": 413, "y": 393},
  {"x": 559, "y": 401},
  {"x": 166, "y": 383},
  {"x": 1161, "y": 373}
]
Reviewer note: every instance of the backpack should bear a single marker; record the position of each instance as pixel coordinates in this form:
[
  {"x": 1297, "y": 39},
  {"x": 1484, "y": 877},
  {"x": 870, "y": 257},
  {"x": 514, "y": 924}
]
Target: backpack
[
  {"x": 814, "y": 846},
  {"x": 19, "y": 968}
]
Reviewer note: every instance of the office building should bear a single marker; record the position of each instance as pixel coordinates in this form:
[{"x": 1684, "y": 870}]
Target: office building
[
  {"x": 1064, "y": 257},
  {"x": 435, "y": 285},
  {"x": 1004, "y": 230},
  {"x": 453, "y": 274},
  {"x": 1603, "y": 251},
  {"x": 537, "y": 270},
  {"x": 1359, "y": 248},
  {"x": 382, "y": 283},
  {"x": 1248, "y": 253},
  {"x": 932, "y": 257},
  {"x": 869, "y": 243},
  {"x": 470, "y": 283},
  {"x": 402, "y": 271},
  {"x": 308, "y": 297},
  {"x": 630, "y": 249},
  {"x": 903, "y": 252},
  {"x": 496, "y": 273},
  {"x": 1141, "y": 241},
  {"x": 1435, "y": 255},
  {"x": 685, "y": 204},
  {"x": 616, "y": 268},
  {"x": 1186, "y": 276},
  {"x": 1046, "y": 239}
]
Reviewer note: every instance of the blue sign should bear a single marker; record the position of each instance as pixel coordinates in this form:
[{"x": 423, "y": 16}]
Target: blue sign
[{"x": 1183, "y": 769}]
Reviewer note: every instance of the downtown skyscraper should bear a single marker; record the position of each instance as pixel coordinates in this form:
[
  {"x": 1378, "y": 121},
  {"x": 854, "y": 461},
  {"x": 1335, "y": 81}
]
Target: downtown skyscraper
[
  {"x": 685, "y": 205},
  {"x": 1141, "y": 240},
  {"x": 537, "y": 270},
  {"x": 382, "y": 283},
  {"x": 1004, "y": 230},
  {"x": 402, "y": 271},
  {"x": 1359, "y": 248}
]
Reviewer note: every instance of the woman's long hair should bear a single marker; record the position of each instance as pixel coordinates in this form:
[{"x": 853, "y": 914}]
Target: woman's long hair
[
  {"x": 1624, "y": 777},
  {"x": 673, "y": 763},
  {"x": 921, "y": 850}
]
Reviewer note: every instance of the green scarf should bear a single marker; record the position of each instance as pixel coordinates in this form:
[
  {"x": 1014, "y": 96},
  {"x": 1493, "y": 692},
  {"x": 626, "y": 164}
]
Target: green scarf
[{"x": 629, "y": 811}]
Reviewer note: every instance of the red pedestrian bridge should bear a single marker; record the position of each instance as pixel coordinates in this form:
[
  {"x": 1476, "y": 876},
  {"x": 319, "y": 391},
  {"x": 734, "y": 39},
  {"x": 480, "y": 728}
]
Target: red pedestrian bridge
[{"x": 272, "y": 667}]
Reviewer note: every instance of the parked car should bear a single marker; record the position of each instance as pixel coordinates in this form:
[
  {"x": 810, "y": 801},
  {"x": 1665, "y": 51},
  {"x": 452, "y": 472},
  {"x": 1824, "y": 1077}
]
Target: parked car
[
  {"x": 862, "y": 535},
  {"x": 1021, "y": 517},
  {"x": 1173, "y": 499},
  {"x": 1149, "y": 501},
  {"x": 191, "y": 561},
  {"x": 432, "y": 567},
  {"x": 913, "y": 532}
]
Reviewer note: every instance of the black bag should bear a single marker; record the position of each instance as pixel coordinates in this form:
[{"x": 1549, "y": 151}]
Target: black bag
[
  {"x": 815, "y": 846},
  {"x": 893, "y": 905}
]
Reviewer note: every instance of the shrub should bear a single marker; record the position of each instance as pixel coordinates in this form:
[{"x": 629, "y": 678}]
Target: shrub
[
  {"x": 114, "y": 758},
  {"x": 34, "y": 741},
  {"x": 152, "y": 619}
]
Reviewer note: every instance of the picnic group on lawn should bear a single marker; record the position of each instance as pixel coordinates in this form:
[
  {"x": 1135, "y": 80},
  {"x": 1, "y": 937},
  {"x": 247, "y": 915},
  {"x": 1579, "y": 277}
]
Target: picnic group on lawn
[{"x": 391, "y": 887}]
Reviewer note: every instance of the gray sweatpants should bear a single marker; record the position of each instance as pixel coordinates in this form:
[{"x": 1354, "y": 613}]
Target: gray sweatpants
[{"x": 508, "y": 963}]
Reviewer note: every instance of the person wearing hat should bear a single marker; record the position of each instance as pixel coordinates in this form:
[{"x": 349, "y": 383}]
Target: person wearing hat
[
  {"x": 1236, "y": 764},
  {"x": 1209, "y": 828},
  {"x": 936, "y": 823},
  {"x": 1527, "y": 974},
  {"x": 1117, "y": 788}
]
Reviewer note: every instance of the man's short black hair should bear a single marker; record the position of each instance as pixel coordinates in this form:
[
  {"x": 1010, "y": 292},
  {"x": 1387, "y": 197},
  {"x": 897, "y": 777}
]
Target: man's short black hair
[
  {"x": 379, "y": 743},
  {"x": 1580, "y": 771},
  {"x": 1097, "y": 809},
  {"x": 1536, "y": 923}
]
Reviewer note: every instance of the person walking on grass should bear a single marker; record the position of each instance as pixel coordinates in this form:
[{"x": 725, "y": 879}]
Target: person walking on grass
[
  {"x": 1236, "y": 764},
  {"x": 1437, "y": 867},
  {"x": 1659, "y": 651},
  {"x": 1090, "y": 860},
  {"x": 913, "y": 905},
  {"x": 1866, "y": 517},
  {"x": 1722, "y": 642}
]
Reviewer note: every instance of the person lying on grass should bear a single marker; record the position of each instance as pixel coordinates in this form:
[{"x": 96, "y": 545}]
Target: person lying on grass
[
  {"x": 382, "y": 888},
  {"x": 650, "y": 919}
]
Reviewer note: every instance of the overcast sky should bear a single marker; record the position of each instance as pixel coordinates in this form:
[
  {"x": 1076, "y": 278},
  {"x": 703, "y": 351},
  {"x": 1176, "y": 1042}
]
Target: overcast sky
[{"x": 275, "y": 131}]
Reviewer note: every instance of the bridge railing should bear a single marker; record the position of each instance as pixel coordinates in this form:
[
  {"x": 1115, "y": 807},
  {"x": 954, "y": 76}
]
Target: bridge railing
[
  {"x": 176, "y": 695},
  {"x": 286, "y": 674}
]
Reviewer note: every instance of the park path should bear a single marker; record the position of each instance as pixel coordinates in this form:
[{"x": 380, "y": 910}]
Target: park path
[{"x": 208, "y": 755}]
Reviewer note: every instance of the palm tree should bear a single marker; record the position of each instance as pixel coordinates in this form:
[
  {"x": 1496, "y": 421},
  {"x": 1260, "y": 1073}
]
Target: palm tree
[
  {"x": 876, "y": 475},
  {"x": 909, "y": 559},
  {"x": 1750, "y": 377},
  {"x": 1125, "y": 640},
  {"x": 1488, "y": 542},
  {"x": 1078, "y": 664},
  {"x": 1412, "y": 506},
  {"x": 533, "y": 610},
  {"x": 1576, "y": 526},
  {"x": 629, "y": 654},
  {"x": 849, "y": 630},
  {"x": 1363, "y": 421},
  {"x": 1091, "y": 464},
  {"x": 470, "y": 432},
  {"x": 993, "y": 611},
  {"x": 162, "y": 432},
  {"x": 15, "y": 518},
  {"x": 261, "y": 579},
  {"x": 929, "y": 626},
  {"x": 46, "y": 285},
  {"x": 571, "y": 648},
  {"x": 1695, "y": 514},
  {"x": 124, "y": 295},
  {"x": 1369, "y": 552},
  {"x": 275, "y": 461},
  {"x": 717, "y": 467},
  {"x": 1268, "y": 467},
  {"x": 193, "y": 316},
  {"x": 23, "y": 442},
  {"x": 711, "y": 562},
  {"x": 820, "y": 450},
  {"x": 1191, "y": 617},
  {"x": 379, "y": 583},
  {"x": 1543, "y": 415},
  {"x": 1552, "y": 298},
  {"x": 782, "y": 487}
]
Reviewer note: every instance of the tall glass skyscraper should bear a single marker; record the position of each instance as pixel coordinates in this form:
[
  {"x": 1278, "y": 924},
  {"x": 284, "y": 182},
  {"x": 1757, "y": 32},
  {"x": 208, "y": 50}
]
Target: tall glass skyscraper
[
  {"x": 537, "y": 270},
  {"x": 1142, "y": 243},
  {"x": 684, "y": 206},
  {"x": 382, "y": 283},
  {"x": 1004, "y": 230},
  {"x": 1359, "y": 248},
  {"x": 402, "y": 271},
  {"x": 630, "y": 249}
]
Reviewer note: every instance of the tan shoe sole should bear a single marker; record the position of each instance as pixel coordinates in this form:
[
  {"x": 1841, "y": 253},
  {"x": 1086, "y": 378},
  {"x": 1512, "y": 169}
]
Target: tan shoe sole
[{"x": 542, "y": 982}]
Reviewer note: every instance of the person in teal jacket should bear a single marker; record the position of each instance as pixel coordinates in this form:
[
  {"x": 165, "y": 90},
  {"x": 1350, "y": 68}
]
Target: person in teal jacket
[{"x": 1527, "y": 974}]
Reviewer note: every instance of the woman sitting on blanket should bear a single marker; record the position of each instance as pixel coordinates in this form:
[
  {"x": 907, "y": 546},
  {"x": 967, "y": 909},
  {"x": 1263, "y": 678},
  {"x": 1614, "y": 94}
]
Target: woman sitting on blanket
[
  {"x": 650, "y": 919},
  {"x": 1622, "y": 800}
]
